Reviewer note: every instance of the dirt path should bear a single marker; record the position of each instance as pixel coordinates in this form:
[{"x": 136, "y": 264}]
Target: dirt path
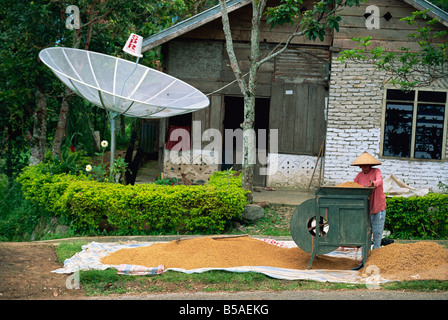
[{"x": 25, "y": 273}]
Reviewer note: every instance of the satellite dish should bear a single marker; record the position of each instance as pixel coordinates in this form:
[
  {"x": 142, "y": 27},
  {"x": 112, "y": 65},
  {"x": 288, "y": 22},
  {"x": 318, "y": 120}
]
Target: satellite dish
[
  {"x": 121, "y": 86},
  {"x": 101, "y": 79}
]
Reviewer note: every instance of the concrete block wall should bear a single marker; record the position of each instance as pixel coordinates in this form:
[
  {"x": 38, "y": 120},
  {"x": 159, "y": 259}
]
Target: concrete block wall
[
  {"x": 354, "y": 126},
  {"x": 197, "y": 165},
  {"x": 293, "y": 171}
]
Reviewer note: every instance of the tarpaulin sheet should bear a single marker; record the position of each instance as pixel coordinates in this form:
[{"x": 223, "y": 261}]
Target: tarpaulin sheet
[
  {"x": 393, "y": 187},
  {"x": 90, "y": 259}
]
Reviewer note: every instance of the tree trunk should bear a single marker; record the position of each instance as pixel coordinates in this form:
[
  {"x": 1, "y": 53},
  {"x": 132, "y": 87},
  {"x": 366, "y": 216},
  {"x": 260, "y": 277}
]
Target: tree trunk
[
  {"x": 247, "y": 89},
  {"x": 61, "y": 129},
  {"x": 39, "y": 136},
  {"x": 249, "y": 147}
]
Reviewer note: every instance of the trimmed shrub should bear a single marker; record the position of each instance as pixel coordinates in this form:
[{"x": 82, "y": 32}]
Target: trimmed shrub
[
  {"x": 150, "y": 207},
  {"x": 423, "y": 217}
]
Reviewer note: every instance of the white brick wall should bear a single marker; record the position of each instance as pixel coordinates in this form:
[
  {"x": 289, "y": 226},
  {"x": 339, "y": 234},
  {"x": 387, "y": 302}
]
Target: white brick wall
[{"x": 354, "y": 126}]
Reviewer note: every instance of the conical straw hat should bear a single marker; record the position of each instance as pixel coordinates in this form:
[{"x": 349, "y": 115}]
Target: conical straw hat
[{"x": 365, "y": 159}]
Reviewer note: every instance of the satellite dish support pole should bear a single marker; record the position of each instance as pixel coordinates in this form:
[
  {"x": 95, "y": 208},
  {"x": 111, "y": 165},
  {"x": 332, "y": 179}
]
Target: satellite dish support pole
[
  {"x": 112, "y": 121},
  {"x": 112, "y": 139}
]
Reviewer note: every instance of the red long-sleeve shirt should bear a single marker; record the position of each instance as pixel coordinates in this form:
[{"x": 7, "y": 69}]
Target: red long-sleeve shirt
[{"x": 377, "y": 198}]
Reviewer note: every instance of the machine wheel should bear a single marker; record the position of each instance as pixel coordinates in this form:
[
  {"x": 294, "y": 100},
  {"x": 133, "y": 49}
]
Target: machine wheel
[{"x": 303, "y": 227}]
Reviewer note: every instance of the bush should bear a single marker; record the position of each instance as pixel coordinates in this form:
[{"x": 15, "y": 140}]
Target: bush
[
  {"x": 418, "y": 217},
  {"x": 18, "y": 216},
  {"x": 150, "y": 207}
]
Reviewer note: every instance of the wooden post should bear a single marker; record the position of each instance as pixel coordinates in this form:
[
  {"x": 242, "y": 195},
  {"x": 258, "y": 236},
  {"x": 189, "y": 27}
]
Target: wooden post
[{"x": 319, "y": 156}]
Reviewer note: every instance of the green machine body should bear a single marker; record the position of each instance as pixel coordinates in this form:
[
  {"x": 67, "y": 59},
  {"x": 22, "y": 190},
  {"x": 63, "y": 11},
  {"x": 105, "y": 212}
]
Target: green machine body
[{"x": 337, "y": 216}]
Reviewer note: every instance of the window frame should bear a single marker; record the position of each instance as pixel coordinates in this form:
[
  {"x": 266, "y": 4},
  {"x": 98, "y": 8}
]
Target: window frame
[{"x": 414, "y": 124}]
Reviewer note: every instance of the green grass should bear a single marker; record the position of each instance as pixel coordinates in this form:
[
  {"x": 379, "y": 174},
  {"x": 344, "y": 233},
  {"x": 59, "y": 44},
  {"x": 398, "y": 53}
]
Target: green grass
[
  {"x": 109, "y": 282},
  {"x": 274, "y": 223},
  {"x": 418, "y": 285},
  {"x": 66, "y": 250}
]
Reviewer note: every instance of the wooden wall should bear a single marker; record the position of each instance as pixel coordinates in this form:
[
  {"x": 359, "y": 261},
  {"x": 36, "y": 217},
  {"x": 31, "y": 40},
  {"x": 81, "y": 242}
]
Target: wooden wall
[
  {"x": 240, "y": 23},
  {"x": 296, "y": 82},
  {"x": 392, "y": 34},
  {"x": 299, "y": 115}
]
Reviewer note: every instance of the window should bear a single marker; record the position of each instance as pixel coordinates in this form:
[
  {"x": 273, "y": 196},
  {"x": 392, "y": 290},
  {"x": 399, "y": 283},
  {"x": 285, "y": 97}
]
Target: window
[{"x": 415, "y": 124}]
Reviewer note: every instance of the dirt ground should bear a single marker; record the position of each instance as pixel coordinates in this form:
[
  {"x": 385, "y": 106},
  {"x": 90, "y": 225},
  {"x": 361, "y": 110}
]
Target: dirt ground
[{"x": 25, "y": 273}]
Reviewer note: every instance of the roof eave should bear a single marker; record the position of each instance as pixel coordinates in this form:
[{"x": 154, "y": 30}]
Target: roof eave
[
  {"x": 190, "y": 24},
  {"x": 232, "y": 5},
  {"x": 435, "y": 12}
]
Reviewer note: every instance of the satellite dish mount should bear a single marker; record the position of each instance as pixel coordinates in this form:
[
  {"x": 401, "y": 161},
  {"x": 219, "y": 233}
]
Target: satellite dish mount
[
  {"x": 133, "y": 47},
  {"x": 121, "y": 86}
]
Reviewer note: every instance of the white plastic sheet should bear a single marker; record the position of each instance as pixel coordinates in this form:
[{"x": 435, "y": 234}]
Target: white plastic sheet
[
  {"x": 393, "y": 186},
  {"x": 91, "y": 254}
]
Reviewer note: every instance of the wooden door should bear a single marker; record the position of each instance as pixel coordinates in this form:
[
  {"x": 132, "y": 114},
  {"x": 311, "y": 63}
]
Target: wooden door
[
  {"x": 233, "y": 117},
  {"x": 298, "y": 112}
]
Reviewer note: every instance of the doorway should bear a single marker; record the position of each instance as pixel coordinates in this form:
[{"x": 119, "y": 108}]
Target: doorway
[{"x": 233, "y": 118}]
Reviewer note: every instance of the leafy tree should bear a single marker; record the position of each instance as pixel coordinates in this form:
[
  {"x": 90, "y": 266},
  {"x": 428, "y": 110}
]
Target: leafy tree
[
  {"x": 25, "y": 28},
  {"x": 35, "y": 106},
  {"x": 314, "y": 24},
  {"x": 442, "y": 4},
  {"x": 410, "y": 67}
]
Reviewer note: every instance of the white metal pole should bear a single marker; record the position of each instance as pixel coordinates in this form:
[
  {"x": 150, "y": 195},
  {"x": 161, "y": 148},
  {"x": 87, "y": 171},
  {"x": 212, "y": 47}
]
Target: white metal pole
[{"x": 112, "y": 138}]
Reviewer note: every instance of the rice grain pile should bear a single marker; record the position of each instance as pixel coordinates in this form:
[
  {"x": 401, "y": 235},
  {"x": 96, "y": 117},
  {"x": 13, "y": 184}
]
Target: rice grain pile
[
  {"x": 223, "y": 253},
  {"x": 422, "y": 260},
  {"x": 349, "y": 184}
]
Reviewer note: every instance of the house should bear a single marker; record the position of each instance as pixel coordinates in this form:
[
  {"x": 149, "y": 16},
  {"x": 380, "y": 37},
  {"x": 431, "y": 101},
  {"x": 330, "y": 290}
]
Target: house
[{"x": 307, "y": 102}]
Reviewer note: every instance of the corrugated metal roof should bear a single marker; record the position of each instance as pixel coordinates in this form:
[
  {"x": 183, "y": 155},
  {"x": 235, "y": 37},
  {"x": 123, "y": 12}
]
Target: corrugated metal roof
[
  {"x": 435, "y": 12},
  {"x": 190, "y": 24}
]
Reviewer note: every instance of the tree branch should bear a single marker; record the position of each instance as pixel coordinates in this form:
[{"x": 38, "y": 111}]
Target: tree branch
[
  {"x": 97, "y": 18},
  {"x": 298, "y": 33},
  {"x": 285, "y": 46}
]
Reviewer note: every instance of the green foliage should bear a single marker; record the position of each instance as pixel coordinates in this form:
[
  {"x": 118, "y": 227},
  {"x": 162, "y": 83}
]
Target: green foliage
[
  {"x": 118, "y": 168},
  {"x": 442, "y": 4},
  {"x": 443, "y": 186},
  {"x": 410, "y": 68},
  {"x": 285, "y": 12},
  {"x": 149, "y": 207},
  {"x": 18, "y": 216},
  {"x": 418, "y": 217},
  {"x": 313, "y": 23},
  {"x": 14, "y": 157},
  {"x": 225, "y": 179},
  {"x": 104, "y": 173},
  {"x": 27, "y": 27},
  {"x": 165, "y": 181},
  {"x": 69, "y": 162}
]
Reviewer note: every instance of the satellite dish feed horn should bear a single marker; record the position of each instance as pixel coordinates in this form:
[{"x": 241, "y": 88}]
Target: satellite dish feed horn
[{"x": 134, "y": 47}]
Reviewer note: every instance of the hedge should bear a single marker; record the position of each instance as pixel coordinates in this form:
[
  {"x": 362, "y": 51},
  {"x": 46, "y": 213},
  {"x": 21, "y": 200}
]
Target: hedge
[
  {"x": 423, "y": 217},
  {"x": 154, "y": 208},
  {"x": 195, "y": 209}
]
